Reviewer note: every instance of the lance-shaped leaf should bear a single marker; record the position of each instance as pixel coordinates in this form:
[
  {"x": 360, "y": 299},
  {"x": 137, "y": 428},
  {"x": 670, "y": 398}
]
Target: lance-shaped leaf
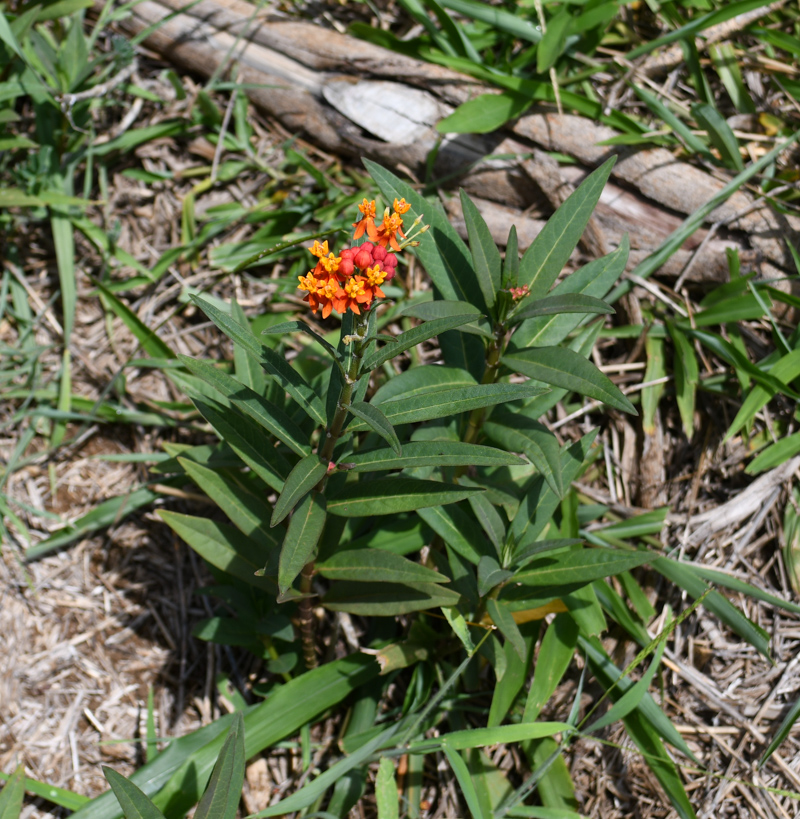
[
  {"x": 556, "y": 305},
  {"x": 221, "y": 799},
  {"x": 387, "y": 599},
  {"x": 551, "y": 249},
  {"x": 783, "y": 731},
  {"x": 274, "y": 364},
  {"x": 134, "y": 803},
  {"x": 516, "y": 431},
  {"x": 431, "y": 453},
  {"x": 458, "y": 530},
  {"x": 593, "y": 279},
  {"x": 302, "y": 537},
  {"x": 443, "y": 404},
  {"x": 485, "y": 256},
  {"x": 272, "y": 418},
  {"x": 490, "y": 574},
  {"x": 224, "y": 547},
  {"x": 377, "y": 566},
  {"x": 419, "y": 380},
  {"x": 504, "y": 620},
  {"x": 306, "y": 474},
  {"x": 244, "y": 437},
  {"x": 13, "y": 794},
  {"x": 567, "y": 369},
  {"x": 388, "y": 496},
  {"x": 429, "y": 310},
  {"x": 579, "y": 566},
  {"x": 373, "y": 417},
  {"x": 386, "y": 796},
  {"x": 687, "y": 376},
  {"x": 409, "y": 339}
]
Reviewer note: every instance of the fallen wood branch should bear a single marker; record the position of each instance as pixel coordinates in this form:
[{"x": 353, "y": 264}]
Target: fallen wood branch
[{"x": 353, "y": 98}]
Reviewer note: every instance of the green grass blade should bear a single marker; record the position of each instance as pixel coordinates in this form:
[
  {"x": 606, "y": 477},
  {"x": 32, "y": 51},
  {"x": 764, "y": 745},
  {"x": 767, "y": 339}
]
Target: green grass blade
[{"x": 780, "y": 735}]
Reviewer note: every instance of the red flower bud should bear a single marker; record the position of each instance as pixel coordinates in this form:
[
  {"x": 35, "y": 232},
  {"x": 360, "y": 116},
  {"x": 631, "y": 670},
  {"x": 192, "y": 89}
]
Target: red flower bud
[
  {"x": 379, "y": 253},
  {"x": 346, "y": 266},
  {"x": 368, "y": 246},
  {"x": 363, "y": 259},
  {"x": 347, "y": 253},
  {"x": 390, "y": 260}
]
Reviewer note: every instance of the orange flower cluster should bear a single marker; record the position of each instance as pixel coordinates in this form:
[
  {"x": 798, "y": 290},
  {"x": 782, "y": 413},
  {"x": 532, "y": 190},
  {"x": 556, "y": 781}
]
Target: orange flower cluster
[
  {"x": 351, "y": 280},
  {"x": 389, "y": 229}
]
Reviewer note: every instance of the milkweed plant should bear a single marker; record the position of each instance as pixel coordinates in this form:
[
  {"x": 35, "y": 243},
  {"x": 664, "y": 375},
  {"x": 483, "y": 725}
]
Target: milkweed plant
[{"x": 429, "y": 500}]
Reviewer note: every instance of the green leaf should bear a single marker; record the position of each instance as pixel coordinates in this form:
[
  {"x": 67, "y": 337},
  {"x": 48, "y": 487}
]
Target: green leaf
[
  {"x": 632, "y": 697},
  {"x": 269, "y": 416},
  {"x": 387, "y": 599},
  {"x": 465, "y": 783},
  {"x": 593, "y": 279},
  {"x": 490, "y": 574},
  {"x": 431, "y": 453},
  {"x": 245, "y": 438},
  {"x": 553, "y": 41},
  {"x": 567, "y": 369},
  {"x": 686, "y": 377},
  {"x": 388, "y": 496},
  {"x": 481, "y": 737},
  {"x": 405, "y": 341},
  {"x": 429, "y": 310},
  {"x": 221, "y": 799},
  {"x": 617, "y": 686},
  {"x": 484, "y": 113},
  {"x": 386, "y": 791},
  {"x": 656, "y": 370},
  {"x": 245, "y": 509},
  {"x": 515, "y": 431},
  {"x": 13, "y": 793},
  {"x": 302, "y": 537},
  {"x": 555, "y": 655},
  {"x": 504, "y": 620},
  {"x": 146, "y": 337},
  {"x": 457, "y": 530},
  {"x": 447, "y": 402},
  {"x": 377, "y": 566},
  {"x": 780, "y": 735},
  {"x": 720, "y": 134},
  {"x": 683, "y": 575},
  {"x": 551, "y": 249},
  {"x": 485, "y": 255},
  {"x": 306, "y": 474},
  {"x": 421, "y": 380},
  {"x": 775, "y": 454},
  {"x": 374, "y": 418},
  {"x": 135, "y": 804},
  {"x": 579, "y": 566},
  {"x": 222, "y": 546},
  {"x": 273, "y": 363},
  {"x": 785, "y": 370},
  {"x": 559, "y": 304}
]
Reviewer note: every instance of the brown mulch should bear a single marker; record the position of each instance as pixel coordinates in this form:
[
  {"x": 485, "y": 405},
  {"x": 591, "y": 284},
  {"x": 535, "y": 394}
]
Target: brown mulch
[{"x": 86, "y": 633}]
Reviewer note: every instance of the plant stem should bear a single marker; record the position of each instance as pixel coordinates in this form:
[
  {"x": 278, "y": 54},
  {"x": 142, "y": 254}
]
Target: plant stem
[
  {"x": 493, "y": 355},
  {"x": 306, "y": 610},
  {"x": 307, "y": 635}
]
